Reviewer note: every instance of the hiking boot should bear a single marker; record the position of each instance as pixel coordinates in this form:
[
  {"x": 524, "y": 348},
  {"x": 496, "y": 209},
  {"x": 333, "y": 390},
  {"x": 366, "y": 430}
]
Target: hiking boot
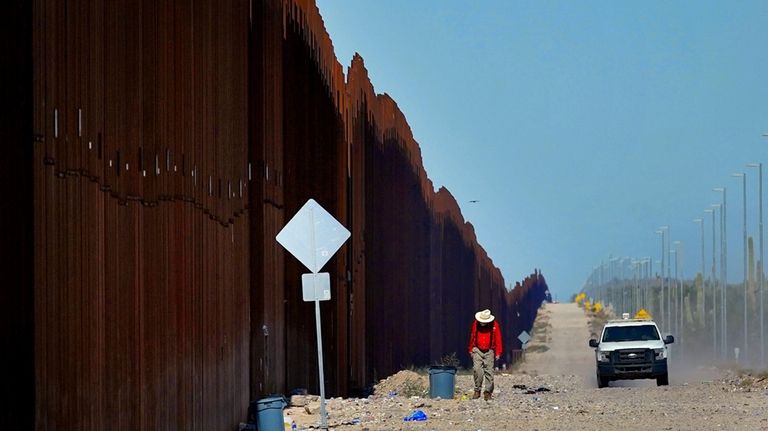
[
  {"x": 476, "y": 395},
  {"x": 487, "y": 396}
]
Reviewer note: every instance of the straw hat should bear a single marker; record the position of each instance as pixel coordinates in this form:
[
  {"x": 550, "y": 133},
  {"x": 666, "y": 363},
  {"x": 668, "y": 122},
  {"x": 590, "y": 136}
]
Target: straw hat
[{"x": 484, "y": 316}]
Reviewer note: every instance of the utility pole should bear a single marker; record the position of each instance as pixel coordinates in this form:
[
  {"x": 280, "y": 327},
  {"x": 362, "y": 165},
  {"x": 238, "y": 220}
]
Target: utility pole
[
  {"x": 743, "y": 177},
  {"x": 675, "y": 295},
  {"x": 680, "y": 296},
  {"x": 672, "y": 292},
  {"x": 700, "y": 221},
  {"x": 713, "y": 284},
  {"x": 663, "y": 230},
  {"x": 760, "y": 272},
  {"x": 723, "y": 272},
  {"x": 661, "y": 292},
  {"x": 669, "y": 278}
]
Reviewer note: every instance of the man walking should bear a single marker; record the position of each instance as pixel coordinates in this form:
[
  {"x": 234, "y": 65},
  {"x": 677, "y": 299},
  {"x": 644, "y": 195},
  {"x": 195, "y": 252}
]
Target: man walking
[{"x": 484, "y": 347}]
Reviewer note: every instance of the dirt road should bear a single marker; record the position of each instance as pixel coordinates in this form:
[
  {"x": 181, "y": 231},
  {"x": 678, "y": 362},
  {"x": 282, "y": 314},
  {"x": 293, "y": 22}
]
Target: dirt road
[
  {"x": 555, "y": 390},
  {"x": 567, "y": 350}
]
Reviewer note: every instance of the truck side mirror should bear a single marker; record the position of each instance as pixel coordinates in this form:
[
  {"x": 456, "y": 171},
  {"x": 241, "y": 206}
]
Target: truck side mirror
[
  {"x": 669, "y": 339},
  {"x": 593, "y": 343}
]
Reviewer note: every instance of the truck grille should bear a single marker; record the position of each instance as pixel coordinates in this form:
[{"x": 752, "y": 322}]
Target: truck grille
[{"x": 632, "y": 356}]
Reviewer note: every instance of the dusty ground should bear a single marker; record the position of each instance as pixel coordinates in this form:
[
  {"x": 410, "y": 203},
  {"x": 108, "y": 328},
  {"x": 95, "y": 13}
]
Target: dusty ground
[
  {"x": 567, "y": 338},
  {"x": 555, "y": 390}
]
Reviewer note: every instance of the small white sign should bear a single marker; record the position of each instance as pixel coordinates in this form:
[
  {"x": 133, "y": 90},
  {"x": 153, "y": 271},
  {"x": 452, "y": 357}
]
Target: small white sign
[
  {"x": 316, "y": 286},
  {"x": 525, "y": 345},
  {"x": 523, "y": 337}
]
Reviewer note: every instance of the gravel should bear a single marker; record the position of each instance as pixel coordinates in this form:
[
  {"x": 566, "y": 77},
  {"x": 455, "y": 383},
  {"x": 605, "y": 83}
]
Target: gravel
[
  {"x": 555, "y": 390},
  {"x": 723, "y": 404}
]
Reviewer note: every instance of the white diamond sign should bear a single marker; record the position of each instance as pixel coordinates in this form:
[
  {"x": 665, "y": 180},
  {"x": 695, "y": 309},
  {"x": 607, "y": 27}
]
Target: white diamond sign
[
  {"x": 313, "y": 236},
  {"x": 523, "y": 337}
]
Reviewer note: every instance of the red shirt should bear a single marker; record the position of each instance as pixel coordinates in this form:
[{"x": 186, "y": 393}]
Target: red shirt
[{"x": 486, "y": 337}]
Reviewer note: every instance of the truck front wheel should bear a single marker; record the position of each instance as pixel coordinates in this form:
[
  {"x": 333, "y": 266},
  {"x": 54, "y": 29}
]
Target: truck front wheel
[
  {"x": 602, "y": 382},
  {"x": 662, "y": 380}
]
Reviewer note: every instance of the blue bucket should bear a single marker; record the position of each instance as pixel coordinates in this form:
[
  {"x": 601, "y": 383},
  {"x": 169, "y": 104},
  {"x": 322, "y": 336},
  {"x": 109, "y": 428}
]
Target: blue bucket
[
  {"x": 442, "y": 382},
  {"x": 269, "y": 413}
]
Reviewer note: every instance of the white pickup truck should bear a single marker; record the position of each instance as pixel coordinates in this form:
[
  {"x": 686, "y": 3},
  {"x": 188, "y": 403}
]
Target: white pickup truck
[{"x": 631, "y": 349}]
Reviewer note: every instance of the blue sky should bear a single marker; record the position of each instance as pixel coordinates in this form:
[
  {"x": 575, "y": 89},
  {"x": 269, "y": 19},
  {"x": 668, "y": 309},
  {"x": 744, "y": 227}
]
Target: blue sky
[{"x": 580, "y": 127}]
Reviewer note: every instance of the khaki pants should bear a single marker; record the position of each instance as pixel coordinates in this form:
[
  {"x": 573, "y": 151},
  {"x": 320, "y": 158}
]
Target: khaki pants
[{"x": 482, "y": 365}]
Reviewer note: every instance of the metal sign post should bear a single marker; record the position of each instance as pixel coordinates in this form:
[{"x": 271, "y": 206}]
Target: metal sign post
[
  {"x": 318, "y": 324},
  {"x": 323, "y": 413},
  {"x": 325, "y": 235}
]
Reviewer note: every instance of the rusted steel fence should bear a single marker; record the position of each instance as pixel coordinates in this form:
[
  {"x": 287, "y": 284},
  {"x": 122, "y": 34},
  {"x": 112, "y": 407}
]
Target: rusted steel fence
[
  {"x": 142, "y": 240},
  {"x": 172, "y": 141}
]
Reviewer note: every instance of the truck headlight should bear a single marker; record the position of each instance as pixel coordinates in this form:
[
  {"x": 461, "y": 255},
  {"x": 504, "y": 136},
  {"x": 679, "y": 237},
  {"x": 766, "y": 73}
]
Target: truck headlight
[
  {"x": 660, "y": 353},
  {"x": 604, "y": 356}
]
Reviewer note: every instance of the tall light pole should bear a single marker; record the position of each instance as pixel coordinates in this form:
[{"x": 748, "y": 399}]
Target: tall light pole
[
  {"x": 614, "y": 263},
  {"x": 641, "y": 284},
  {"x": 629, "y": 282},
  {"x": 663, "y": 230},
  {"x": 658, "y": 263},
  {"x": 622, "y": 284},
  {"x": 680, "y": 278},
  {"x": 713, "y": 282},
  {"x": 638, "y": 283},
  {"x": 669, "y": 278},
  {"x": 700, "y": 309},
  {"x": 606, "y": 277},
  {"x": 760, "y": 272},
  {"x": 743, "y": 177},
  {"x": 609, "y": 280},
  {"x": 723, "y": 272},
  {"x": 660, "y": 309},
  {"x": 639, "y": 268},
  {"x": 635, "y": 282},
  {"x": 673, "y": 293}
]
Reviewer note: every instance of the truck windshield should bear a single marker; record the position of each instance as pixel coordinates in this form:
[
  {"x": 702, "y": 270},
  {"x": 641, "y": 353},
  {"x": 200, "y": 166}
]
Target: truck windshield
[{"x": 630, "y": 333}]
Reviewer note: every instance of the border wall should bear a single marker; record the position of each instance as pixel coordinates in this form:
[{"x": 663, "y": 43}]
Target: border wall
[{"x": 164, "y": 145}]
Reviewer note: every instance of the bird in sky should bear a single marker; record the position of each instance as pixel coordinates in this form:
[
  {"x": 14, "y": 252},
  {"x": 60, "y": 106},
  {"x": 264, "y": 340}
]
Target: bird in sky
[{"x": 474, "y": 201}]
